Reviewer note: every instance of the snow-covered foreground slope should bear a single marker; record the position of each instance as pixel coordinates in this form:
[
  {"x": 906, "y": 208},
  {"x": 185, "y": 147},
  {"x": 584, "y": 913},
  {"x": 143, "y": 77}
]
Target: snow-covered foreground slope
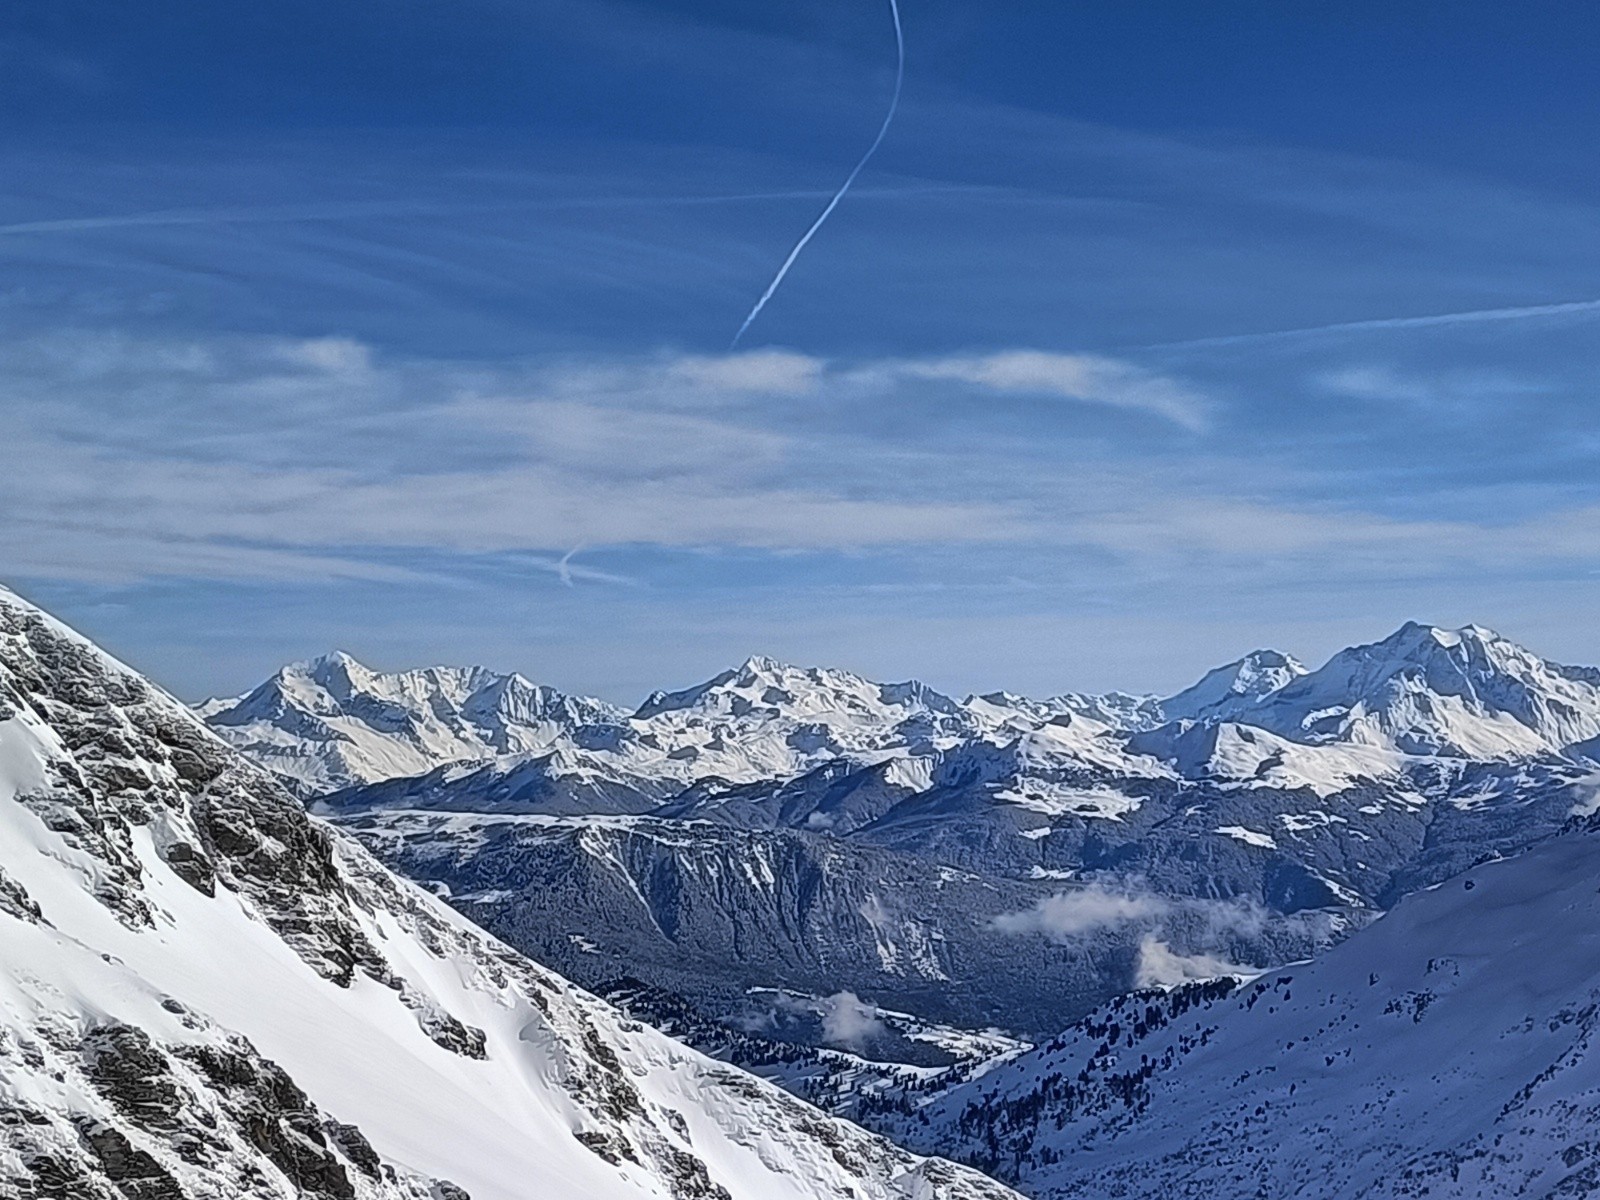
[
  {"x": 1447, "y": 1051},
  {"x": 206, "y": 993}
]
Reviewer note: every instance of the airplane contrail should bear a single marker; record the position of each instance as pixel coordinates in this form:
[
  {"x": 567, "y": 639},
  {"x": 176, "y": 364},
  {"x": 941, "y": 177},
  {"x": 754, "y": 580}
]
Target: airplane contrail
[
  {"x": 564, "y": 567},
  {"x": 353, "y": 210},
  {"x": 1468, "y": 317},
  {"x": 894, "y": 103}
]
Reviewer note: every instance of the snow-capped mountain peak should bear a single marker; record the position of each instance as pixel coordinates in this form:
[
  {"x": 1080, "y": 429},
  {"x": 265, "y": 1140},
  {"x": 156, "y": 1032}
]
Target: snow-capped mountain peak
[
  {"x": 1422, "y": 693},
  {"x": 762, "y": 686},
  {"x": 1228, "y": 692},
  {"x": 333, "y": 722},
  {"x": 1464, "y": 693}
]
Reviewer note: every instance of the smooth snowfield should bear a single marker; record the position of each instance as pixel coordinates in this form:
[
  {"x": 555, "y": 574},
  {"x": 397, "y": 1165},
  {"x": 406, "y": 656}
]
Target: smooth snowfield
[{"x": 121, "y": 939}]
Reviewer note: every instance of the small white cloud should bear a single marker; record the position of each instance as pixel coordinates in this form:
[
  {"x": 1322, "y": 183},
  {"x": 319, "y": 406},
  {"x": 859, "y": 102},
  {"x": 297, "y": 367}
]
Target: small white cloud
[
  {"x": 336, "y": 355},
  {"x": 773, "y": 372},
  {"x": 1201, "y": 923},
  {"x": 1088, "y": 378},
  {"x": 1375, "y": 383},
  {"x": 850, "y": 1022},
  {"x": 1586, "y": 796},
  {"x": 1162, "y": 966},
  {"x": 1067, "y": 916}
]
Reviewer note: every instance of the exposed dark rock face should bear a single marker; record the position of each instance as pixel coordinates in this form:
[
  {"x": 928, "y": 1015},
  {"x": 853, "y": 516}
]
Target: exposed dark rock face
[
  {"x": 138, "y": 759},
  {"x": 217, "y": 1107},
  {"x": 132, "y": 759},
  {"x": 191, "y": 866},
  {"x": 276, "y": 1116},
  {"x": 14, "y": 899},
  {"x": 50, "y": 1176},
  {"x": 136, "y": 1174},
  {"x": 353, "y": 1144},
  {"x": 687, "y": 1175},
  {"x": 455, "y": 1036},
  {"x": 126, "y": 1067}
]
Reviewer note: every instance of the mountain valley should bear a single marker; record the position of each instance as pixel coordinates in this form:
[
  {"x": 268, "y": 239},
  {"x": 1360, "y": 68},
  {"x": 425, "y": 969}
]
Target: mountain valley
[{"x": 778, "y": 838}]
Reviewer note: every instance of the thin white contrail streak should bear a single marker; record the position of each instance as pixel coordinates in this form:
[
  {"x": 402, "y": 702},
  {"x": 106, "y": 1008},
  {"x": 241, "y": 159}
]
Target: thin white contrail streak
[
  {"x": 894, "y": 103},
  {"x": 1472, "y": 316},
  {"x": 564, "y": 567},
  {"x": 357, "y": 210}
]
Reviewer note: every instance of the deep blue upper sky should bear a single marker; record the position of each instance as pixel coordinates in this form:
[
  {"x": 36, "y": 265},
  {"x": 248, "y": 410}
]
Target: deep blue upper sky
[{"x": 1155, "y": 331}]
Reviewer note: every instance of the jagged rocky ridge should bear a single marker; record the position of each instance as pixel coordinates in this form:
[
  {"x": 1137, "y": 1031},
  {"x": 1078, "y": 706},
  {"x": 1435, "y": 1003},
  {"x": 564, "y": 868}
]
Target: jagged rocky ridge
[{"x": 206, "y": 992}]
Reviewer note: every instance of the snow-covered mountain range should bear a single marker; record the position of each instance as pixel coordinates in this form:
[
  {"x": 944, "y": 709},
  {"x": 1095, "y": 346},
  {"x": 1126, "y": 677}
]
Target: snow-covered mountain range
[
  {"x": 788, "y": 832},
  {"x": 1423, "y": 692},
  {"x": 332, "y": 723},
  {"x": 206, "y": 992}
]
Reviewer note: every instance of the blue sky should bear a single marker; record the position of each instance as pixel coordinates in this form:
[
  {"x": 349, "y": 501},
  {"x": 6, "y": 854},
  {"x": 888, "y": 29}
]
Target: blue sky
[{"x": 1153, "y": 333}]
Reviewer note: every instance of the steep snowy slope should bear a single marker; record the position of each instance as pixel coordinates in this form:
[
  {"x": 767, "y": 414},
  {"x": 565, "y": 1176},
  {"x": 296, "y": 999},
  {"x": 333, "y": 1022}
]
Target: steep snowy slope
[
  {"x": 204, "y": 992},
  {"x": 333, "y": 723},
  {"x": 1449, "y": 1050}
]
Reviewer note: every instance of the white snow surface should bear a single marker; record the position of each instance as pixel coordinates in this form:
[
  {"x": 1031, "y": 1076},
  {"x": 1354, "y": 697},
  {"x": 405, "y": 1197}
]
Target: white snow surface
[
  {"x": 1234, "y": 755},
  {"x": 1229, "y": 692},
  {"x": 1250, "y": 837},
  {"x": 120, "y": 938}
]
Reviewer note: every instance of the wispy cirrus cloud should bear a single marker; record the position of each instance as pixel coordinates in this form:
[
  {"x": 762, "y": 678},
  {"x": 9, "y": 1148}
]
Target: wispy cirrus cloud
[
  {"x": 357, "y": 210},
  {"x": 1478, "y": 316},
  {"x": 240, "y": 457},
  {"x": 1084, "y": 378},
  {"x": 322, "y": 458}
]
